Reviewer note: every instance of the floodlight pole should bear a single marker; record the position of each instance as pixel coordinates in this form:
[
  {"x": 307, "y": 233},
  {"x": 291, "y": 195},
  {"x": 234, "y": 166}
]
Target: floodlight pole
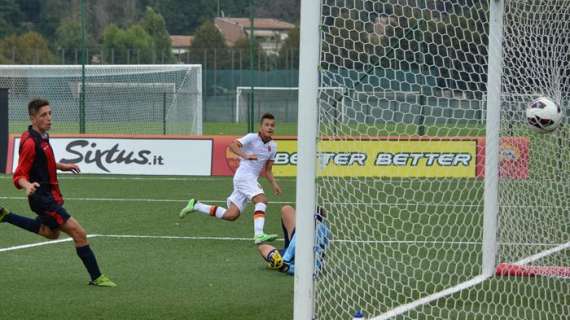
[{"x": 83, "y": 61}]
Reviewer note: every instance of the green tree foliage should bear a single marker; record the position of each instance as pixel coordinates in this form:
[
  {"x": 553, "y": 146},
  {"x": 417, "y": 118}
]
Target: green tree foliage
[
  {"x": 131, "y": 46},
  {"x": 10, "y": 17},
  {"x": 68, "y": 41},
  {"x": 28, "y": 48},
  {"x": 144, "y": 42},
  {"x": 184, "y": 17},
  {"x": 243, "y": 46},
  {"x": 289, "y": 52},
  {"x": 209, "y": 47},
  {"x": 153, "y": 23}
]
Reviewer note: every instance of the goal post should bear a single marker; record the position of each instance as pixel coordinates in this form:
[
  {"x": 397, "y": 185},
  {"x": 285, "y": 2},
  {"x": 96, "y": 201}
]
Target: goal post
[
  {"x": 441, "y": 202},
  {"x": 126, "y": 99}
]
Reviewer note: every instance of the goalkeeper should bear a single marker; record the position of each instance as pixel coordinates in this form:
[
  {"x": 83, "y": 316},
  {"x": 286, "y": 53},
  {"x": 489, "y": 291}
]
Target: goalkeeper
[{"x": 284, "y": 260}]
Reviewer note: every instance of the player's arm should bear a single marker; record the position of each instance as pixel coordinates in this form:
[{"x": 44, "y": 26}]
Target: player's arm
[
  {"x": 235, "y": 147},
  {"x": 271, "y": 178},
  {"x": 68, "y": 167},
  {"x": 21, "y": 176}
]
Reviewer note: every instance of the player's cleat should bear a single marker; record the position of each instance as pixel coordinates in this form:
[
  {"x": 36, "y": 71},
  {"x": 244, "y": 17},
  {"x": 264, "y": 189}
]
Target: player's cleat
[
  {"x": 188, "y": 209},
  {"x": 103, "y": 281},
  {"x": 274, "y": 260},
  {"x": 264, "y": 237},
  {"x": 3, "y": 213}
]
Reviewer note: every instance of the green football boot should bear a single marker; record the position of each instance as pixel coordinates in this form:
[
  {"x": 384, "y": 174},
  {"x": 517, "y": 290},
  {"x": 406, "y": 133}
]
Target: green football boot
[
  {"x": 103, "y": 281},
  {"x": 188, "y": 209},
  {"x": 3, "y": 213},
  {"x": 264, "y": 237}
]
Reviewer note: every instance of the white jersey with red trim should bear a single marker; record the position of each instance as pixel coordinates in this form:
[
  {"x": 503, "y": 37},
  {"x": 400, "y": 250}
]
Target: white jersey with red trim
[{"x": 264, "y": 151}]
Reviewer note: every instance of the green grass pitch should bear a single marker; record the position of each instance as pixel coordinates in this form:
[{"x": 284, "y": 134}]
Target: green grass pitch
[{"x": 181, "y": 277}]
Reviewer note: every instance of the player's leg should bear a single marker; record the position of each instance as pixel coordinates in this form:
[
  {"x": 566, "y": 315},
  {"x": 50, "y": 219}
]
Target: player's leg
[
  {"x": 260, "y": 204},
  {"x": 195, "y": 205},
  {"x": 236, "y": 202},
  {"x": 31, "y": 225},
  {"x": 287, "y": 223},
  {"x": 79, "y": 236},
  {"x": 271, "y": 255}
]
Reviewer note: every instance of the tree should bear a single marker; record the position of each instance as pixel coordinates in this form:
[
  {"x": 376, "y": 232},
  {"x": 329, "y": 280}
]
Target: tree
[
  {"x": 68, "y": 40},
  {"x": 184, "y": 17},
  {"x": 289, "y": 52},
  {"x": 131, "y": 46},
  {"x": 243, "y": 46},
  {"x": 209, "y": 46},
  {"x": 153, "y": 23},
  {"x": 30, "y": 48},
  {"x": 10, "y": 17}
]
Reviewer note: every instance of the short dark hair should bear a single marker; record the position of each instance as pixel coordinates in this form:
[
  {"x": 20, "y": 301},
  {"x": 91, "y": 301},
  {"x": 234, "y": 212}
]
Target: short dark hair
[
  {"x": 266, "y": 116},
  {"x": 35, "y": 105}
]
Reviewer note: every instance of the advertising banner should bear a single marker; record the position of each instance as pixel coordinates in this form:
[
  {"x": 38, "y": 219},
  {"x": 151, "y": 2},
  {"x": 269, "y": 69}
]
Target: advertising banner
[
  {"x": 132, "y": 155},
  {"x": 437, "y": 157},
  {"x": 385, "y": 158}
]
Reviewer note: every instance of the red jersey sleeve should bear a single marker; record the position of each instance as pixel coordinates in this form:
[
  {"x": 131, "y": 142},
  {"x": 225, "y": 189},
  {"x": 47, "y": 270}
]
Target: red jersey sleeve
[{"x": 25, "y": 162}]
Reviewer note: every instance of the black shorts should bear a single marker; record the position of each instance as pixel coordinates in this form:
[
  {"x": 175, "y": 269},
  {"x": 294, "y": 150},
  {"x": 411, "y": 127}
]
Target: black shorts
[{"x": 49, "y": 212}]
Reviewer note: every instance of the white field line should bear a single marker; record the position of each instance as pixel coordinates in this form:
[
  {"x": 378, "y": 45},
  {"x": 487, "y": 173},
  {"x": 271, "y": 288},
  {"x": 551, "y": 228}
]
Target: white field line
[
  {"x": 462, "y": 286},
  {"x": 174, "y": 237},
  {"x": 46, "y": 243},
  {"x": 39, "y": 244},
  {"x": 275, "y": 202},
  {"x": 137, "y": 178},
  {"x": 543, "y": 254},
  {"x": 138, "y": 200},
  {"x": 470, "y": 243},
  {"x": 432, "y": 297}
]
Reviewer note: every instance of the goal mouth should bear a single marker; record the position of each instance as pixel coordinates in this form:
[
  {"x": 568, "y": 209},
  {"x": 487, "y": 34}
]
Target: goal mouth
[{"x": 516, "y": 270}]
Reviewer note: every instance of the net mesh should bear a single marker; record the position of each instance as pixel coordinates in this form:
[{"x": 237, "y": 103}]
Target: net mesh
[
  {"x": 133, "y": 99},
  {"x": 402, "y": 161},
  {"x": 280, "y": 101}
]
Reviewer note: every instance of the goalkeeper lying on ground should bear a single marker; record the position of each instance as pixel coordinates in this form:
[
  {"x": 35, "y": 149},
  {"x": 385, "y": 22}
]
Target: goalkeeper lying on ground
[{"x": 284, "y": 259}]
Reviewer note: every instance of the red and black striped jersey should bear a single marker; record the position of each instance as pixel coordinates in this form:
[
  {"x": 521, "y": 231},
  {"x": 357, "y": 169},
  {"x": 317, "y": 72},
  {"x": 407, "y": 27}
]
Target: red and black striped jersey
[{"x": 37, "y": 164}]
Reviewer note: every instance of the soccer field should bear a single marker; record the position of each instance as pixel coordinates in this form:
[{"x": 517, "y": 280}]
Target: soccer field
[
  {"x": 166, "y": 268},
  {"x": 202, "y": 268}
]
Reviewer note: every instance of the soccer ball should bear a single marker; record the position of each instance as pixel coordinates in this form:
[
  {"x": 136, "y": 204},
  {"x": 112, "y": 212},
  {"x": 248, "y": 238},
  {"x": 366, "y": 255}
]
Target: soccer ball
[{"x": 543, "y": 115}]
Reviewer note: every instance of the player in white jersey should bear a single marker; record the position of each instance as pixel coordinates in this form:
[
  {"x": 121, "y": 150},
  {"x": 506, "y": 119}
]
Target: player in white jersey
[{"x": 257, "y": 152}]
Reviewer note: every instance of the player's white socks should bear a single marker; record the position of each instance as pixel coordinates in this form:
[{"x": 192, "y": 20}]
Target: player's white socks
[
  {"x": 216, "y": 211},
  {"x": 259, "y": 218}
]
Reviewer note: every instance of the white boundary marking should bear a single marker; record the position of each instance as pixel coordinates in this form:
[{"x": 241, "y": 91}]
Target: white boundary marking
[
  {"x": 137, "y": 200},
  {"x": 543, "y": 254},
  {"x": 173, "y": 237},
  {"x": 39, "y": 244},
  {"x": 432, "y": 297},
  {"x": 137, "y": 178},
  {"x": 462, "y": 286}
]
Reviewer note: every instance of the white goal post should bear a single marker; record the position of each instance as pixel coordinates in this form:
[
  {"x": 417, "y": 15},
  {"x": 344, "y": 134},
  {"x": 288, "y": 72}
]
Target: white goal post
[{"x": 457, "y": 210}]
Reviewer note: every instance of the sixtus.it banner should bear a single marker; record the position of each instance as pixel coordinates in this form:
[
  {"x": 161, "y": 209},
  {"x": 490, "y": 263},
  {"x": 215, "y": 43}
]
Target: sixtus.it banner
[
  {"x": 130, "y": 155},
  {"x": 462, "y": 157}
]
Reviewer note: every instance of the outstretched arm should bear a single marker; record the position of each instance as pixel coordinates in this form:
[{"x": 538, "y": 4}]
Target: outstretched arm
[
  {"x": 235, "y": 147},
  {"x": 68, "y": 167},
  {"x": 271, "y": 178}
]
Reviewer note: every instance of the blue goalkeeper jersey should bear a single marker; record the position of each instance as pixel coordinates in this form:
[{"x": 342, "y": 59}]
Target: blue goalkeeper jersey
[{"x": 323, "y": 236}]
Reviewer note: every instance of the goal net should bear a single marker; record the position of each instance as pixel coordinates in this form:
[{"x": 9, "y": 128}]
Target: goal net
[
  {"x": 126, "y": 99},
  {"x": 452, "y": 207},
  {"x": 279, "y": 101}
]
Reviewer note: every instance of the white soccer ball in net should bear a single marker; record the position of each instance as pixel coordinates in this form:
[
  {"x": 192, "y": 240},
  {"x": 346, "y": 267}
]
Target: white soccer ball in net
[{"x": 543, "y": 115}]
